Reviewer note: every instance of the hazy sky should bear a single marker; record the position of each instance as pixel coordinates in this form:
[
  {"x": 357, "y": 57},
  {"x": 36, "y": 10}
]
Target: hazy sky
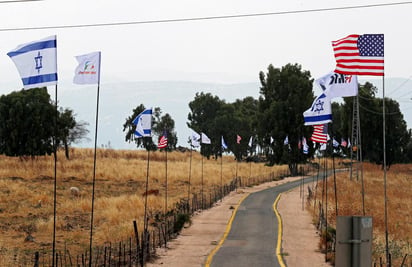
[{"x": 220, "y": 50}]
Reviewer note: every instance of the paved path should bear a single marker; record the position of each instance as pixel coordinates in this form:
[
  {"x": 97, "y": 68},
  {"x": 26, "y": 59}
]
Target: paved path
[{"x": 254, "y": 233}]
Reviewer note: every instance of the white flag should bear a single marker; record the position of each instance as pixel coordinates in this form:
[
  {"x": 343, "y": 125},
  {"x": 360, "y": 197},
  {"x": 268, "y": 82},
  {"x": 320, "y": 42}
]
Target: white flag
[
  {"x": 143, "y": 123},
  {"x": 250, "y": 141},
  {"x": 195, "y": 139},
  {"x": 320, "y": 112},
  {"x": 338, "y": 85},
  {"x": 204, "y": 139},
  {"x": 36, "y": 62},
  {"x": 88, "y": 70}
]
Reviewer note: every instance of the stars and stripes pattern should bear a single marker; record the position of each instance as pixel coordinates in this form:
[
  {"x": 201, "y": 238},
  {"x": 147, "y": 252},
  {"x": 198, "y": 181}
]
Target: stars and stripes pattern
[
  {"x": 162, "y": 141},
  {"x": 320, "y": 133},
  {"x": 360, "y": 54}
]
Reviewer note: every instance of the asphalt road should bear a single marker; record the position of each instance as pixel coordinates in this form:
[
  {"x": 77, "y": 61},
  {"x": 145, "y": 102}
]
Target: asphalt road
[{"x": 253, "y": 237}]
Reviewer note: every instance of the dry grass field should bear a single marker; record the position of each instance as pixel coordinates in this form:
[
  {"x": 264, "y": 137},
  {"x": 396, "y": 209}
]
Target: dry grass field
[
  {"x": 349, "y": 196},
  {"x": 26, "y": 195}
]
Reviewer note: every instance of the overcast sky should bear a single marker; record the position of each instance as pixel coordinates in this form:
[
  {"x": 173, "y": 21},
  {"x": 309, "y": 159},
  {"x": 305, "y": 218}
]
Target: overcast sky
[{"x": 217, "y": 50}]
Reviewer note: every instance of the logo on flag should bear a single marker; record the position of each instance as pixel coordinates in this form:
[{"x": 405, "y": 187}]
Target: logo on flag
[
  {"x": 162, "y": 141},
  {"x": 36, "y": 62},
  {"x": 88, "y": 70},
  {"x": 320, "y": 133},
  {"x": 238, "y": 139},
  {"x": 360, "y": 54},
  {"x": 338, "y": 85},
  {"x": 143, "y": 123},
  {"x": 224, "y": 145}
]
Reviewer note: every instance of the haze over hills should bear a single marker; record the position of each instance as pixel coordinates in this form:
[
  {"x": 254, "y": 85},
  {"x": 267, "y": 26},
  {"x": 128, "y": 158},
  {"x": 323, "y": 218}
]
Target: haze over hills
[{"x": 117, "y": 101}]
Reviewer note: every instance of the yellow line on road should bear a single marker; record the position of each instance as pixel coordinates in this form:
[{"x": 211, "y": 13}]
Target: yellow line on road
[
  {"x": 279, "y": 244},
  {"x": 228, "y": 227}
]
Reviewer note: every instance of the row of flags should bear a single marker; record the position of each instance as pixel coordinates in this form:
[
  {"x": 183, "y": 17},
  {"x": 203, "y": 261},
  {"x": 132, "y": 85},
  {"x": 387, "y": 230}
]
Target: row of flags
[
  {"x": 36, "y": 63},
  {"x": 355, "y": 55}
]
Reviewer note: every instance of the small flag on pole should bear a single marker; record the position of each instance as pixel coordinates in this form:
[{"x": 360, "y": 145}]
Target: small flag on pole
[
  {"x": 343, "y": 143},
  {"x": 204, "y": 139},
  {"x": 349, "y": 145},
  {"x": 162, "y": 141},
  {"x": 272, "y": 140},
  {"x": 360, "y": 54},
  {"x": 88, "y": 70},
  {"x": 320, "y": 133},
  {"x": 195, "y": 139},
  {"x": 305, "y": 146},
  {"x": 36, "y": 62},
  {"x": 143, "y": 123},
  {"x": 286, "y": 141},
  {"x": 335, "y": 143},
  {"x": 224, "y": 145},
  {"x": 250, "y": 144},
  {"x": 238, "y": 139}
]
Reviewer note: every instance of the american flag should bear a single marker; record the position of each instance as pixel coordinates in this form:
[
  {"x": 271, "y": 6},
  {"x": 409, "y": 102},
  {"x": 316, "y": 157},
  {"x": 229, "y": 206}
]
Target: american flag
[
  {"x": 320, "y": 133},
  {"x": 238, "y": 138},
  {"x": 360, "y": 54},
  {"x": 162, "y": 141}
]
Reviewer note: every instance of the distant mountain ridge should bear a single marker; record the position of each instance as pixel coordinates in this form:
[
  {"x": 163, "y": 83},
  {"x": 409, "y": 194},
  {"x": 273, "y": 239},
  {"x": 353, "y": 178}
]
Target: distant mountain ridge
[{"x": 117, "y": 100}]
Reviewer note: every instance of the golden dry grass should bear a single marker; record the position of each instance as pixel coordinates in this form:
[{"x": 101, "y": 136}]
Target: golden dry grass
[
  {"x": 349, "y": 195},
  {"x": 26, "y": 195}
]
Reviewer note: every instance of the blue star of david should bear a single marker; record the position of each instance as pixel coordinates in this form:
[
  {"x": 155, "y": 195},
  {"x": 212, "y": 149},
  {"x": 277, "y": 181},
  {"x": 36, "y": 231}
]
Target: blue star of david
[
  {"x": 38, "y": 60},
  {"x": 319, "y": 106}
]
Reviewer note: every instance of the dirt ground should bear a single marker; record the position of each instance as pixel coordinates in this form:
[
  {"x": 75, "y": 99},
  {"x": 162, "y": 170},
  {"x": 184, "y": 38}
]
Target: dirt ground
[{"x": 193, "y": 246}]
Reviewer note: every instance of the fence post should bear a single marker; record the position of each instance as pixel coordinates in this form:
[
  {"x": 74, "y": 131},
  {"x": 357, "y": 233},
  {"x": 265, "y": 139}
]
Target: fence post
[{"x": 36, "y": 259}]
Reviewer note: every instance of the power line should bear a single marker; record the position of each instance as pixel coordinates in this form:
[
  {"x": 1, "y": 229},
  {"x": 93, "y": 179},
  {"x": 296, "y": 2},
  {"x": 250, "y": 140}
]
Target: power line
[
  {"x": 202, "y": 18},
  {"x": 18, "y": 1}
]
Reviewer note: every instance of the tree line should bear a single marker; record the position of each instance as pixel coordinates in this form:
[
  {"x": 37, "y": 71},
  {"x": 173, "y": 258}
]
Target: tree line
[
  {"x": 284, "y": 94},
  {"x": 28, "y": 127}
]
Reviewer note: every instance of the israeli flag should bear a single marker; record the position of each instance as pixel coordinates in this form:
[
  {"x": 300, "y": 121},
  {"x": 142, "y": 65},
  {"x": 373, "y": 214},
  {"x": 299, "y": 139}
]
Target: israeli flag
[
  {"x": 143, "y": 123},
  {"x": 320, "y": 112},
  {"x": 36, "y": 62},
  {"x": 224, "y": 145}
]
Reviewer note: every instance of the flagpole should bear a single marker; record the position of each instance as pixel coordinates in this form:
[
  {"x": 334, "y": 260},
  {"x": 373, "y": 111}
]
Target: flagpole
[
  {"x": 166, "y": 184},
  {"x": 55, "y": 178},
  {"x": 201, "y": 188},
  {"x": 221, "y": 174},
  {"x": 145, "y": 205},
  {"x": 384, "y": 174},
  {"x": 94, "y": 171},
  {"x": 190, "y": 174}
]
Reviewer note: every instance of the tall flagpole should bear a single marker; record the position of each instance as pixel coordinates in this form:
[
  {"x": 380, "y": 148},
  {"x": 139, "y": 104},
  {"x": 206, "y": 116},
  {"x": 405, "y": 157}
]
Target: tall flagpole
[
  {"x": 384, "y": 174},
  {"x": 145, "y": 206},
  {"x": 221, "y": 174},
  {"x": 166, "y": 183},
  {"x": 94, "y": 167},
  {"x": 201, "y": 189},
  {"x": 55, "y": 179}
]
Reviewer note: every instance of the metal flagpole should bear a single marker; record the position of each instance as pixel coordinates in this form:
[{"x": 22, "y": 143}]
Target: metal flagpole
[
  {"x": 201, "y": 189},
  {"x": 55, "y": 179},
  {"x": 221, "y": 174},
  {"x": 94, "y": 172},
  {"x": 166, "y": 184},
  {"x": 384, "y": 173},
  {"x": 145, "y": 206},
  {"x": 190, "y": 174}
]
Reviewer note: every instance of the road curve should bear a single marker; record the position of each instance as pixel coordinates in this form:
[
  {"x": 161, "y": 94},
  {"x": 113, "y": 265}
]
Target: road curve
[{"x": 253, "y": 235}]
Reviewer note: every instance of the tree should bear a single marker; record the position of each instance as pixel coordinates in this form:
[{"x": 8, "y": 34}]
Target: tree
[
  {"x": 27, "y": 128},
  {"x": 285, "y": 94},
  {"x": 371, "y": 125},
  {"x": 69, "y": 130},
  {"x": 159, "y": 124}
]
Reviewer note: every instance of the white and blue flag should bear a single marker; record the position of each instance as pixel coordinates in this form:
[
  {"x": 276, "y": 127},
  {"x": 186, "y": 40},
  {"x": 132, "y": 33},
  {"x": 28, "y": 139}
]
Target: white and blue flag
[
  {"x": 36, "y": 62},
  {"x": 143, "y": 123},
  {"x": 195, "y": 139},
  {"x": 320, "y": 112},
  {"x": 224, "y": 145}
]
